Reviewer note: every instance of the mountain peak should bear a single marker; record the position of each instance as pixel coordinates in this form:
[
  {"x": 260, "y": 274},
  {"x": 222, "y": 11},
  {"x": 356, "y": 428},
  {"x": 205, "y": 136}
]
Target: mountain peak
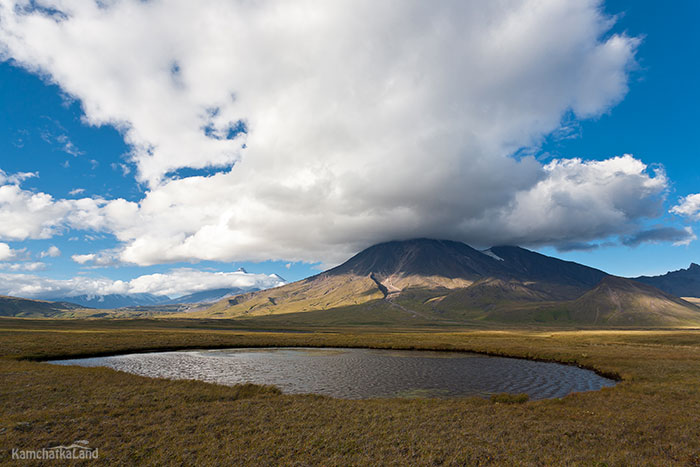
[
  {"x": 420, "y": 256},
  {"x": 456, "y": 260}
]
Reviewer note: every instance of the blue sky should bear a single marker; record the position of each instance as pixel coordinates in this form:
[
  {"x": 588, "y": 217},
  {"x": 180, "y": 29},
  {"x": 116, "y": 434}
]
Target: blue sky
[
  {"x": 81, "y": 143},
  {"x": 42, "y": 131},
  {"x": 657, "y": 122},
  {"x": 37, "y": 122}
]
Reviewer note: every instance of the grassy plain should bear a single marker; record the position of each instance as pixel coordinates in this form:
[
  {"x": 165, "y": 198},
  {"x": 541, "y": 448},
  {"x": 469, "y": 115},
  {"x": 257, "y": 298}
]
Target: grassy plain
[{"x": 650, "y": 418}]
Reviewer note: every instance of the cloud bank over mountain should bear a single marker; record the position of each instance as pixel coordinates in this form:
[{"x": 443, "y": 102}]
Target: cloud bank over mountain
[{"x": 329, "y": 126}]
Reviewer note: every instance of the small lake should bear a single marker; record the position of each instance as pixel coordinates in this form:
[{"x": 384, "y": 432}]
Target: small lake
[{"x": 361, "y": 373}]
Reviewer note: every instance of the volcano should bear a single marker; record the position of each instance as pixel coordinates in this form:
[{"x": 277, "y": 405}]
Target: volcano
[{"x": 426, "y": 281}]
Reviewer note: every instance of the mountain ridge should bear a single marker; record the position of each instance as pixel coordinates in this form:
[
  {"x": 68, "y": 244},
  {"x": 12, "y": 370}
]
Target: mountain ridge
[
  {"x": 24, "y": 307},
  {"x": 112, "y": 301},
  {"x": 682, "y": 282},
  {"x": 116, "y": 301},
  {"x": 446, "y": 281},
  {"x": 420, "y": 281}
]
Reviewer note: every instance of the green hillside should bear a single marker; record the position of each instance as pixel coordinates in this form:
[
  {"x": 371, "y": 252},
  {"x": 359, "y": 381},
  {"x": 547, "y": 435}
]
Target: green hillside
[{"x": 24, "y": 308}]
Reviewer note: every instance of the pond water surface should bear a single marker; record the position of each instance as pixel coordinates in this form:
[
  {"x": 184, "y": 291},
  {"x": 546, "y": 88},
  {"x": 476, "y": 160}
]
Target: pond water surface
[{"x": 361, "y": 373}]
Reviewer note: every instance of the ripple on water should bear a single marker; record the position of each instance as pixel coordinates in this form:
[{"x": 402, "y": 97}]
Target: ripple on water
[{"x": 361, "y": 373}]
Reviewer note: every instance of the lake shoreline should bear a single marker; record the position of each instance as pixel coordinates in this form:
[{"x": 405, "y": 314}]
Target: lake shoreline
[
  {"x": 139, "y": 350},
  {"x": 358, "y": 372}
]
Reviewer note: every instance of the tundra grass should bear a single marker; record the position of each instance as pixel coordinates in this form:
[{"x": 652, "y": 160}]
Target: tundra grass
[{"x": 650, "y": 418}]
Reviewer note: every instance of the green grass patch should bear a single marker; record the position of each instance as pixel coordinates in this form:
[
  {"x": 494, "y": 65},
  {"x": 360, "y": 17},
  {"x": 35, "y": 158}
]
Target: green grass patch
[{"x": 506, "y": 398}]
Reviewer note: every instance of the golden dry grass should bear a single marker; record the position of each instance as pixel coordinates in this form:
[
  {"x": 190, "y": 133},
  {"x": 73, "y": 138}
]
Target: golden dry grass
[
  {"x": 320, "y": 293},
  {"x": 650, "y": 418}
]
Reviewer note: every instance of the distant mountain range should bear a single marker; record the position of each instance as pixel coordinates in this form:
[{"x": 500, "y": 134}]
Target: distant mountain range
[
  {"x": 112, "y": 301},
  {"x": 681, "y": 283},
  {"x": 112, "y": 305},
  {"x": 423, "y": 282},
  {"x": 426, "y": 281},
  {"x": 210, "y": 296}
]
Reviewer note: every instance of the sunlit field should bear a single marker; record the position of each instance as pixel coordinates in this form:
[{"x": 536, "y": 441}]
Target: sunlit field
[{"x": 650, "y": 417}]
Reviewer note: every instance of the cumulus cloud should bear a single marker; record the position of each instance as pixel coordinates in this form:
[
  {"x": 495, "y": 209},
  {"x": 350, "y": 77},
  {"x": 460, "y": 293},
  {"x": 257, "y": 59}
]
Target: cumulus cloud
[
  {"x": 26, "y": 214},
  {"x": 334, "y": 125},
  {"x": 82, "y": 259},
  {"x": 100, "y": 259},
  {"x": 52, "y": 252},
  {"x": 688, "y": 206},
  {"x": 175, "y": 283},
  {"x": 585, "y": 200},
  {"x": 14, "y": 179},
  {"x": 7, "y": 253},
  {"x": 10, "y": 254}
]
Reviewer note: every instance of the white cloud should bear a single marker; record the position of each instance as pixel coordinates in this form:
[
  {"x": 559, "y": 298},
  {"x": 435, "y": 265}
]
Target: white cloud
[
  {"x": 194, "y": 218},
  {"x": 7, "y": 253},
  {"x": 101, "y": 259},
  {"x": 27, "y": 214},
  {"x": 21, "y": 256},
  {"x": 366, "y": 121},
  {"x": 185, "y": 281},
  {"x": 82, "y": 259},
  {"x": 25, "y": 266},
  {"x": 76, "y": 191},
  {"x": 15, "y": 179},
  {"x": 688, "y": 206},
  {"x": 497, "y": 75},
  {"x": 52, "y": 252},
  {"x": 686, "y": 240},
  {"x": 583, "y": 200},
  {"x": 175, "y": 283},
  {"x": 24, "y": 214}
]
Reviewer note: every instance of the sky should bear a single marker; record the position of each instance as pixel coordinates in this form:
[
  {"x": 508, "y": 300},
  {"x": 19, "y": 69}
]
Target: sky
[{"x": 161, "y": 146}]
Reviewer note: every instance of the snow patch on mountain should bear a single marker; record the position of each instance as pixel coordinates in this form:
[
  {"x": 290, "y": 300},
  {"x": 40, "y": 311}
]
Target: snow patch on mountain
[{"x": 492, "y": 254}]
